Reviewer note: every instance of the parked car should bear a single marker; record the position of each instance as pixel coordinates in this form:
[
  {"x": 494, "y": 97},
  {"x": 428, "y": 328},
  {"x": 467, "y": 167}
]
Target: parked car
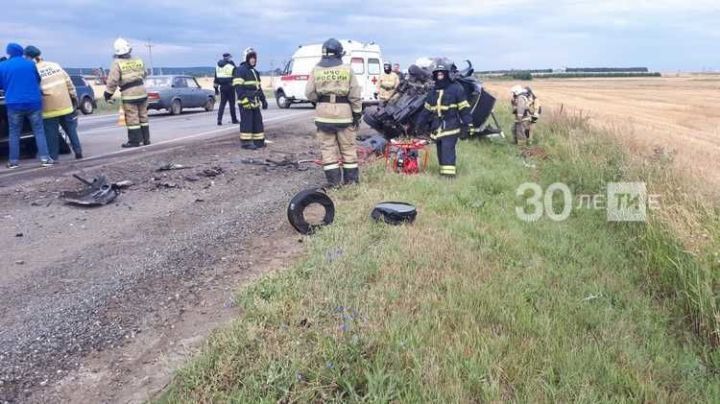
[
  {"x": 86, "y": 95},
  {"x": 174, "y": 93}
]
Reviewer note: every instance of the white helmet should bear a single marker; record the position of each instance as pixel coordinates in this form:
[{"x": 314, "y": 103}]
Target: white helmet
[
  {"x": 249, "y": 51},
  {"x": 122, "y": 47},
  {"x": 517, "y": 90},
  {"x": 424, "y": 62}
]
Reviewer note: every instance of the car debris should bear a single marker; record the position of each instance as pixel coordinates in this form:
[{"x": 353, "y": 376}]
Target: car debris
[
  {"x": 212, "y": 171},
  {"x": 123, "y": 184},
  {"x": 285, "y": 162},
  {"x": 96, "y": 193},
  {"x": 394, "y": 213},
  {"x": 172, "y": 166},
  {"x": 305, "y": 198}
]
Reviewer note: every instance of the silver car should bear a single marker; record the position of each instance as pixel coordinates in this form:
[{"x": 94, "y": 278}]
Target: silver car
[{"x": 174, "y": 93}]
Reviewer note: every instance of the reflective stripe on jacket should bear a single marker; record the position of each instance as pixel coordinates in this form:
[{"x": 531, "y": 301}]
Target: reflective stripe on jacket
[
  {"x": 248, "y": 88},
  {"x": 126, "y": 71},
  {"x": 57, "y": 90},
  {"x": 447, "y": 110},
  {"x": 340, "y": 82}
]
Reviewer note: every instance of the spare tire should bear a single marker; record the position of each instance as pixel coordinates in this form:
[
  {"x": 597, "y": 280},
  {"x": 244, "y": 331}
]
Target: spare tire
[
  {"x": 394, "y": 213},
  {"x": 296, "y": 210}
]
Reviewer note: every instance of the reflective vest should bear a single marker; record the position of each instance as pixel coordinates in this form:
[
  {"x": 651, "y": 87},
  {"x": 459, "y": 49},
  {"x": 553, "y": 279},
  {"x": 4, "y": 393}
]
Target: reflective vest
[
  {"x": 57, "y": 90},
  {"x": 225, "y": 72}
]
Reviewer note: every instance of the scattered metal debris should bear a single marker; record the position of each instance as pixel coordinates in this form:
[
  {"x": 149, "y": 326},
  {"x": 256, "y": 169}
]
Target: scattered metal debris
[
  {"x": 394, "y": 213},
  {"x": 212, "y": 171},
  {"x": 172, "y": 166},
  {"x": 285, "y": 162},
  {"x": 96, "y": 193},
  {"x": 123, "y": 184}
]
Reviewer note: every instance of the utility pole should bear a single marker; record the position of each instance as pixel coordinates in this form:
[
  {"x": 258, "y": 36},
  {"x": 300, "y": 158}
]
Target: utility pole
[{"x": 149, "y": 46}]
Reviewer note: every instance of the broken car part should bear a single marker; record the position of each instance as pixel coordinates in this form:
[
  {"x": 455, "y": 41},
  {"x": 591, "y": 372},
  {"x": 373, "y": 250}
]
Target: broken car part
[
  {"x": 96, "y": 193},
  {"x": 394, "y": 213},
  {"x": 296, "y": 210}
]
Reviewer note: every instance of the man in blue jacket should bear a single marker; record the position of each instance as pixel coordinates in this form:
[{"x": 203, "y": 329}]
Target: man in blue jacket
[{"x": 20, "y": 80}]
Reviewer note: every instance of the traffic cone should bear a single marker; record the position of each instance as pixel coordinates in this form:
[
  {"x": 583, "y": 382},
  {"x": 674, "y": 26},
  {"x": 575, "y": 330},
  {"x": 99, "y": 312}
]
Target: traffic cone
[{"x": 121, "y": 116}]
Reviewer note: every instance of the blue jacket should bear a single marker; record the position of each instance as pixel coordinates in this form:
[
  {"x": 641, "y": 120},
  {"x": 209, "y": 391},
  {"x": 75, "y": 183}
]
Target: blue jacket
[{"x": 20, "y": 80}]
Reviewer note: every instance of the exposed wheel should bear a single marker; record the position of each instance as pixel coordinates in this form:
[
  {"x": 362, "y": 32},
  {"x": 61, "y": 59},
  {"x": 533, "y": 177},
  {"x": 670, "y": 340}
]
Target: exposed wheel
[
  {"x": 210, "y": 104},
  {"x": 176, "y": 107},
  {"x": 282, "y": 101},
  {"x": 302, "y": 200},
  {"x": 86, "y": 106}
]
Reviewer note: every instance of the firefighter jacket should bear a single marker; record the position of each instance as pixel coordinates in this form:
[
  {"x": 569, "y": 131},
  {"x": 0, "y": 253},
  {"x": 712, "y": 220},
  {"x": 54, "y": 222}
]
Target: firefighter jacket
[
  {"x": 387, "y": 85},
  {"x": 525, "y": 107},
  {"x": 446, "y": 110},
  {"x": 58, "y": 90},
  {"x": 333, "y": 86},
  {"x": 224, "y": 73},
  {"x": 246, "y": 81},
  {"x": 128, "y": 73}
]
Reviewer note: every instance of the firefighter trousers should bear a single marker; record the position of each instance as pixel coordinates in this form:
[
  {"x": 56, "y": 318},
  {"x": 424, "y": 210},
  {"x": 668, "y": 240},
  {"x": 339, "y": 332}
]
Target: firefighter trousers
[
  {"x": 136, "y": 120},
  {"x": 447, "y": 155},
  {"x": 338, "y": 146},
  {"x": 522, "y": 132},
  {"x": 227, "y": 96},
  {"x": 251, "y": 126}
]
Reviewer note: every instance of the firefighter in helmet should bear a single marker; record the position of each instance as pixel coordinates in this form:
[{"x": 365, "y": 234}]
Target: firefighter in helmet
[
  {"x": 250, "y": 98},
  {"x": 333, "y": 86},
  {"x": 389, "y": 82},
  {"x": 127, "y": 73},
  {"x": 526, "y": 109},
  {"x": 446, "y": 112}
]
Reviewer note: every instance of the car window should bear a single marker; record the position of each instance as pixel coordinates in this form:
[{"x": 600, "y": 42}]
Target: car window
[
  {"x": 374, "y": 66},
  {"x": 78, "y": 81},
  {"x": 179, "y": 82},
  {"x": 358, "y": 65},
  {"x": 194, "y": 83},
  {"x": 157, "y": 82},
  {"x": 288, "y": 67}
]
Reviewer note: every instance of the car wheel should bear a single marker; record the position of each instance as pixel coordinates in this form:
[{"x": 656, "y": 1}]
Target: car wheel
[
  {"x": 176, "y": 107},
  {"x": 210, "y": 104},
  {"x": 282, "y": 101},
  {"x": 86, "y": 106}
]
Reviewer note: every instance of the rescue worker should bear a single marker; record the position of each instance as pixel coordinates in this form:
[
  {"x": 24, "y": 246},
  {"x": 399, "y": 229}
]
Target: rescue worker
[
  {"x": 333, "y": 86},
  {"x": 389, "y": 82},
  {"x": 59, "y": 100},
  {"x": 223, "y": 84},
  {"x": 128, "y": 74},
  {"x": 396, "y": 70},
  {"x": 526, "y": 109},
  {"x": 250, "y": 97},
  {"x": 446, "y": 112}
]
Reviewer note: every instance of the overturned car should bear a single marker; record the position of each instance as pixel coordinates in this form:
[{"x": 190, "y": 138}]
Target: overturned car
[{"x": 397, "y": 117}]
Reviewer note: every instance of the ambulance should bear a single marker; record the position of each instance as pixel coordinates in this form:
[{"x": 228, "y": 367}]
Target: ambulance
[{"x": 365, "y": 59}]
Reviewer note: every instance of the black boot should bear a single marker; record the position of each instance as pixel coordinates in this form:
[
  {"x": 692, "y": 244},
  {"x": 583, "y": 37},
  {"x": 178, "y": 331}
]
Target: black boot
[
  {"x": 334, "y": 178},
  {"x": 247, "y": 145},
  {"x": 145, "y": 134},
  {"x": 134, "y": 138},
  {"x": 259, "y": 143},
  {"x": 351, "y": 175}
]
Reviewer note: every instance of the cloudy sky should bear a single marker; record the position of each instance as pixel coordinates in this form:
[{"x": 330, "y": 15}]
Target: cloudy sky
[{"x": 665, "y": 35}]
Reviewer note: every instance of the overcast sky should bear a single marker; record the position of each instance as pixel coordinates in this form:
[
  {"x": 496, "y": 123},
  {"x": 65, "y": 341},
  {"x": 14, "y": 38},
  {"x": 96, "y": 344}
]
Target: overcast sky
[{"x": 665, "y": 35}]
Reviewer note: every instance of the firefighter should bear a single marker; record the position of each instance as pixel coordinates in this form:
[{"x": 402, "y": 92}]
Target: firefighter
[
  {"x": 526, "y": 109},
  {"x": 333, "y": 86},
  {"x": 389, "y": 82},
  {"x": 128, "y": 73},
  {"x": 446, "y": 112},
  {"x": 250, "y": 97},
  {"x": 223, "y": 85}
]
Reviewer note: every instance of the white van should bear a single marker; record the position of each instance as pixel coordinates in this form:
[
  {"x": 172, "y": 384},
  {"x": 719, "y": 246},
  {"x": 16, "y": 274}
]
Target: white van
[{"x": 365, "y": 59}]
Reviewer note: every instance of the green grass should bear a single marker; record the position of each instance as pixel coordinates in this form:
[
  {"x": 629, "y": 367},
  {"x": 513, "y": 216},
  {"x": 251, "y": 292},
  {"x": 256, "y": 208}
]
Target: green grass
[{"x": 471, "y": 304}]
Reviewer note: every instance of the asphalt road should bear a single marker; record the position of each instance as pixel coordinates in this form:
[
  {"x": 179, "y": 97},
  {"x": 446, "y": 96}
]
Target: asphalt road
[{"x": 101, "y": 136}]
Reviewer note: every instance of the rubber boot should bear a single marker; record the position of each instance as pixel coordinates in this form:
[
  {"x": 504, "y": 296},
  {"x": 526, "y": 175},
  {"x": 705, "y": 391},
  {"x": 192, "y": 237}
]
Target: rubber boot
[
  {"x": 259, "y": 143},
  {"x": 134, "y": 138},
  {"x": 145, "y": 135},
  {"x": 334, "y": 178},
  {"x": 351, "y": 175},
  {"x": 248, "y": 145}
]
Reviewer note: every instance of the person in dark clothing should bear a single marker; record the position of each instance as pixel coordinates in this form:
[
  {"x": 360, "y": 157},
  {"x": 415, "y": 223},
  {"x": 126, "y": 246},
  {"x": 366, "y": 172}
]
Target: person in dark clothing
[
  {"x": 250, "y": 97},
  {"x": 2, "y": 59},
  {"x": 223, "y": 84},
  {"x": 20, "y": 80},
  {"x": 446, "y": 112}
]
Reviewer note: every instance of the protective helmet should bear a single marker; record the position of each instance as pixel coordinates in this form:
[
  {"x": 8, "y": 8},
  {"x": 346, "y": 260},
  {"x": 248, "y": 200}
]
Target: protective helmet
[
  {"x": 387, "y": 65},
  {"x": 332, "y": 47},
  {"x": 517, "y": 90},
  {"x": 442, "y": 65},
  {"x": 227, "y": 56},
  {"x": 248, "y": 53},
  {"x": 121, "y": 47}
]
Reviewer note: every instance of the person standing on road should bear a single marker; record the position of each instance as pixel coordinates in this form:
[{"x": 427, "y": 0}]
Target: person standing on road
[
  {"x": 20, "y": 80},
  {"x": 223, "y": 85},
  {"x": 447, "y": 110},
  {"x": 526, "y": 109},
  {"x": 333, "y": 86},
  {"x": 128, "y": 73},
  {"x": 60, "y": 102},
  {"x": 250, "y": 97},
  {"x": 389, "y": 82}
]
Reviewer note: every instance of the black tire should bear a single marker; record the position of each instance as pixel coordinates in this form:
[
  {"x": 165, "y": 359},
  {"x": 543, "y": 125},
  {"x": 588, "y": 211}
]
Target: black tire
[
  {"x": 282, "y": 101},
  {"x": 302, "y": 200},
  {"x": 86, "y": 106},
  {"x": 210, "y": 104},
  {"x": 176, "y": 107}
]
